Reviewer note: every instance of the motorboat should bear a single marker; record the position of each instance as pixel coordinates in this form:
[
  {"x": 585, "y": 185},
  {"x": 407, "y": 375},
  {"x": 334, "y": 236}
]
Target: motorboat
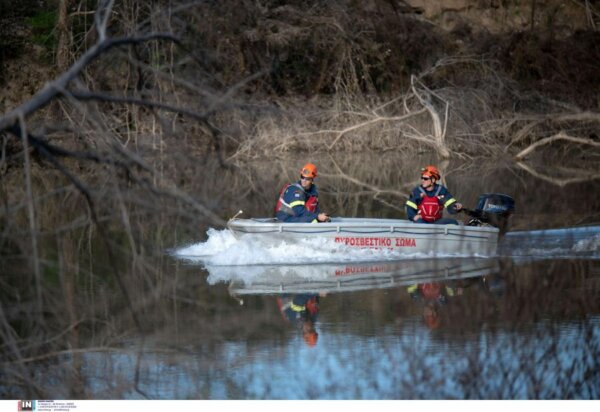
[
  {"x": 479, "y": 237},
  {"x": 379, "y": 234}
]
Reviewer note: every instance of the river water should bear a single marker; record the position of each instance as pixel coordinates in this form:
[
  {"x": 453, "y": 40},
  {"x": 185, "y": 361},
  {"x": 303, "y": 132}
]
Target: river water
[
  {"x": 216, "y": 317},
  {"x": 522, "y": 324}
]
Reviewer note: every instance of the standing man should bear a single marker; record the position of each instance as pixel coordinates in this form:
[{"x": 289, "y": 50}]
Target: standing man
[
  {"x": 299, "y": 202},
  {"x": 427, "y": 201}
]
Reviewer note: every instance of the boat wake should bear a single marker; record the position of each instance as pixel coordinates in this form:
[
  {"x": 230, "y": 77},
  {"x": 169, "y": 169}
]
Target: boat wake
[
  {"x": 222, "y": 249},
  {"x": 565, "y": 243}
]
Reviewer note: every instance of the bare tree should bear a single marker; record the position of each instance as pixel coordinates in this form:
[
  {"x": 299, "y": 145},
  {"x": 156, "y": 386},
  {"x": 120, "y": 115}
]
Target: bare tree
[
  {"x": 63, "y": 47},
  {"x": 88, "y": 136}
]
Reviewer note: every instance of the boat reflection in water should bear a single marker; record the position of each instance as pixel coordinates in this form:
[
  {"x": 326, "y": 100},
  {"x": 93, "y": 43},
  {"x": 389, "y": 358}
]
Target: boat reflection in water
[
  {"x": 431, "y": 283},
  {"x": 346, "y": 277}
]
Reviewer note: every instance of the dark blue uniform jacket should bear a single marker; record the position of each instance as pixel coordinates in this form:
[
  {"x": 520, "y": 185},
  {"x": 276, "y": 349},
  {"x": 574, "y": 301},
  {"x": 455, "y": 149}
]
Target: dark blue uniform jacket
[{"x": 294, "y": 199}]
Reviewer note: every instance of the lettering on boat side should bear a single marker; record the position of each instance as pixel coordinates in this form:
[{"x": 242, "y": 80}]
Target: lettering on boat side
[
  {"x": 349, "y": 270},
  {"x": 406, "y": 241},
  {"x": 376, "y": 242}
]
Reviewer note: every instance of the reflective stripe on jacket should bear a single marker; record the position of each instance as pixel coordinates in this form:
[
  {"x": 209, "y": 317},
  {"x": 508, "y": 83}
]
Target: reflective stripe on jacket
[
  {"x": 295, "y": 204},
  {"x": 288, "y": 208}
]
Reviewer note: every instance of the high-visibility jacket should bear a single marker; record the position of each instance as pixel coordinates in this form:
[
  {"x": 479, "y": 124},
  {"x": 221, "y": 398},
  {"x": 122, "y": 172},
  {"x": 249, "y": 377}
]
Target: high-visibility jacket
[
  {"x": 299, "y": 307},
  {"x": 430, "y": 208},
  {"x": 439, "y": 194},
  {"x": 295, "y": 204}
]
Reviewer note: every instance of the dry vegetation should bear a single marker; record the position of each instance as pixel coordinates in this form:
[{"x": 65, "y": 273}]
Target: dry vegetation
[
  {"x": 247, "y": 81},
  {"x": 144, "y": 100}
]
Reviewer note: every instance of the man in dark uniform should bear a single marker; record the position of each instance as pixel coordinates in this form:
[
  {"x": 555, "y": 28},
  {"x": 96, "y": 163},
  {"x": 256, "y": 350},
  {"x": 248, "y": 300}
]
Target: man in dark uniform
[
  {"x": 428, "y": 200},
  {"x": 299, "y": 202}
]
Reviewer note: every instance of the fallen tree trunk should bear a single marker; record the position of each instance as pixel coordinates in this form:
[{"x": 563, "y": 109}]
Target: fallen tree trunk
[{"x": 559, "y": 136}]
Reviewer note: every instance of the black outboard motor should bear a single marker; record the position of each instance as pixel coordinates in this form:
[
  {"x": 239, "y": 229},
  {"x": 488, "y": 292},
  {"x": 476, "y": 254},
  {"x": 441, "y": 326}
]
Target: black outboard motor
[{"x": 494, "y": 209}]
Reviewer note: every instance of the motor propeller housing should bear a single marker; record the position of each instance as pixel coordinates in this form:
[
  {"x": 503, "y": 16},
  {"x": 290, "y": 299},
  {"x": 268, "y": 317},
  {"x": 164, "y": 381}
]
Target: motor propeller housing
[{"x": 494, "y": 209}]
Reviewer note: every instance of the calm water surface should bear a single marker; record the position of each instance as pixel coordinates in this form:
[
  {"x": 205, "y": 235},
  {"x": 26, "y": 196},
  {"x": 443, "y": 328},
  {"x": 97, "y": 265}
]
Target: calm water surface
[
  {"x": 224, "y": 319},
  {"x": 521, "y": 325}
]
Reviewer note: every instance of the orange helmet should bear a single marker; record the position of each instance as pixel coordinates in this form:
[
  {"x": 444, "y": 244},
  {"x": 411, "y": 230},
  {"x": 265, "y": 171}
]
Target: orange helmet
[
  {"x": 431, "y": 171},
  {"x": 310, "y": 338},
  {"x": 431, "y": 316},
  {"x": 309, "y": 170},
  {"x": 432, "y": 321}
]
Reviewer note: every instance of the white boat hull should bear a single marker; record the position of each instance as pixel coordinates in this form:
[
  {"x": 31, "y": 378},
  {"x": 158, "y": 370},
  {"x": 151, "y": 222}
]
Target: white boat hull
[{"x": 400, "y": 235}]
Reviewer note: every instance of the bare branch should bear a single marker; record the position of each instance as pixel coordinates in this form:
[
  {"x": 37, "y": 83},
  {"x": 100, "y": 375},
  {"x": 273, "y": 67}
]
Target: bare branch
[
  {"x": 439, "y": 129},
  {"x": 531, "y": 122},
  {"x": 550, "y": 139},
  {"x": 341, "y": 133},
  {"x": 50, "y": 91},
  {"x": 111, "y": 260},
  {"x": 357, "y": 182},
  {"x": 102, "y": 16},
  {"x": 31, "y": 215},
  {"x": 202, "y": 117},
  {"x": 561, "y": 182}
]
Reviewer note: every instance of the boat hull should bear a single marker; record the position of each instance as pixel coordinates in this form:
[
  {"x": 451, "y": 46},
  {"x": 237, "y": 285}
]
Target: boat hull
[{"x": 400, "y": 235}]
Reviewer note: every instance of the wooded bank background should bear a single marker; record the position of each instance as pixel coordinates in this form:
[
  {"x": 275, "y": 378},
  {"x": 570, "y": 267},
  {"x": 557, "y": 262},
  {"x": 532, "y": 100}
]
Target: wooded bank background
[
  {"x": 129, "y": 126},
  {"x": 135, "y": 91},
  {"x": 132, "y": 95},
  {"x": 495, "y": 71}
]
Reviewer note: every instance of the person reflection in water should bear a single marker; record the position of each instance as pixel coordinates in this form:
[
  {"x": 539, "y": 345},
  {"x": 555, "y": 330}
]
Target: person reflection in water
[
  {"x": 433, "y": 296},
  {"x": 301, "y": 311}
]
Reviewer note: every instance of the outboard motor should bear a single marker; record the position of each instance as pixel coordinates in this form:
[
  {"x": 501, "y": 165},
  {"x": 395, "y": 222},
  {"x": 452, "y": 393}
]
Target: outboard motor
[{"x": 493, "y": 209}]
